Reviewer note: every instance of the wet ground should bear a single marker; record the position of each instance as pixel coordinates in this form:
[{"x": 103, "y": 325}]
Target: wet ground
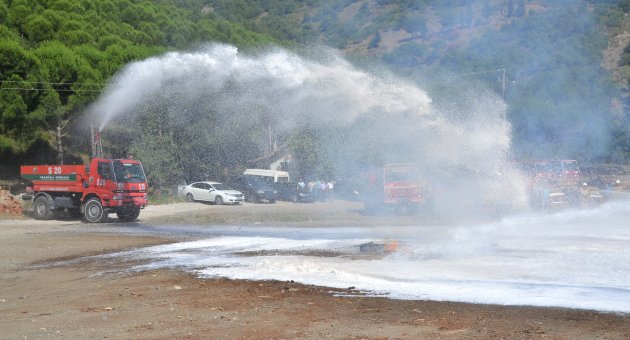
[
  {"x": 570, "y": 258},
  {"x": 165, "y": 279}
]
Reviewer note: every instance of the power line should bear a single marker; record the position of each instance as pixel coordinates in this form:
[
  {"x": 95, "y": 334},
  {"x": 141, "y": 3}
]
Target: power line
[
  {"x": 24, "y": 85},
  {"x": 47, "y": 89},
  {"x": 49, "y": 83},
  {"x": 480, "y": 72},
  {"x": 502, "y": 78}
]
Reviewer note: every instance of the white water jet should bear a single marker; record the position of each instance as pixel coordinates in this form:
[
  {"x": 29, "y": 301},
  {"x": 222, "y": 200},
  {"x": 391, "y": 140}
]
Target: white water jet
[{"x": 464, "y": 145}]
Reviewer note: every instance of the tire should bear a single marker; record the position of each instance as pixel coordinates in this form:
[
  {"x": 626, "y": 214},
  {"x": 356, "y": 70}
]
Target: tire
[
  {"x": 190, "y": 198},
  {"x": 41, "y": 208},
  {"x": 218, "y": 200},
  {"x": 128, "y": 214},
  {"x": 572, "y": 198},
  {"x": 93, "y": 211}
]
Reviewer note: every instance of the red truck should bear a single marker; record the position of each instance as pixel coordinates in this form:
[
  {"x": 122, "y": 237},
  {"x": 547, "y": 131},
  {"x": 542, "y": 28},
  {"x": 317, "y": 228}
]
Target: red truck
[
  {"x": 395, "y": 185},
  {"x": 92, "y": 192},
  {"x": 555, "y": 183}
]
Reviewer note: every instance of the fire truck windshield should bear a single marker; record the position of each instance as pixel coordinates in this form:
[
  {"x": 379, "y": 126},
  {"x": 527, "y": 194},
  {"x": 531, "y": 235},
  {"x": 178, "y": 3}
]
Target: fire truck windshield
[
  {"x": 129, "y": 172},
  {"x": 570, "y": 165},
  {"x": 400, "y": 175}
]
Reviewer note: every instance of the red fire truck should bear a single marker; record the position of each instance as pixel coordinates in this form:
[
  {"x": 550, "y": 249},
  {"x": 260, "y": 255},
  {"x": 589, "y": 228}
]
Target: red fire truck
[
  {"x": 394, "y": 185},
  {"x": 106, "y": 186},
  {"x": 555, "y": 183}
]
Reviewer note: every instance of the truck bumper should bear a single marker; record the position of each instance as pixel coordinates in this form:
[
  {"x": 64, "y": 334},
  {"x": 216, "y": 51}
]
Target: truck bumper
[
  {"x": 403, "y": 201},
  {"x": 135, "y": 200}
]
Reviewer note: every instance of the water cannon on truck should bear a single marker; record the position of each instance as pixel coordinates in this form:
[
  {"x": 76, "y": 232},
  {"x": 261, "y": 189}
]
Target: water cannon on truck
[{"x": 89, "y": 191}]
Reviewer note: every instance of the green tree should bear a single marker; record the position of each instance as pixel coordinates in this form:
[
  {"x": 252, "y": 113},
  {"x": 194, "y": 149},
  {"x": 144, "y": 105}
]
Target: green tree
[
  {"x": 4, "y": 12},
  {"x": 19, "y": 73},
  {"x": 67, "y": 72},
  {"x": 37, "y": 28}
]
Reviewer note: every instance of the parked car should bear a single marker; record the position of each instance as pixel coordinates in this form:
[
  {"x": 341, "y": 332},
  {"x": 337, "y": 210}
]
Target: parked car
[
  {"x": 288, "y": 191},
  {"x": 215, "y": 192},
  {"x": 254, "y": 188}
]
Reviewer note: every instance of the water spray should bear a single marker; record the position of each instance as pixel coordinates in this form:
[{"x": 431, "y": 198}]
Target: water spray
[{"x": 290, "y": 92}]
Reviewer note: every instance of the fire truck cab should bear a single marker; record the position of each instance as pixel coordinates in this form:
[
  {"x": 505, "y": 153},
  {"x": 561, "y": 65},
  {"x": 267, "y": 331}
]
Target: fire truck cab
[{"x": 396, "y": 185}]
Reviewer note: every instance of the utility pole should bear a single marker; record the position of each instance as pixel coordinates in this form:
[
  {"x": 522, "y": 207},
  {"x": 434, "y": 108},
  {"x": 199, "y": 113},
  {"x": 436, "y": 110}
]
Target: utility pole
[
  {"x": 59, "y": 144},
  {"x": 503, "y": 83},
  {"x": 59, "y": 137},
  {"x": 97, "y": 147}
]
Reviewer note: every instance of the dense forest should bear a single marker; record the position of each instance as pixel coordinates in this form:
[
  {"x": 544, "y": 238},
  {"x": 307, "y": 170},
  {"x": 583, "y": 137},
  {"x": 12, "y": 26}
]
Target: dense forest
[
  {"x": 544, "y": 58},
  {"x": 57, "y": 55}
]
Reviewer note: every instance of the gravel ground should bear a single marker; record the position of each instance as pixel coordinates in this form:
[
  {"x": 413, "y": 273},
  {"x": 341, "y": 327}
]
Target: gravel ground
[{"x": 75, "y": 300}]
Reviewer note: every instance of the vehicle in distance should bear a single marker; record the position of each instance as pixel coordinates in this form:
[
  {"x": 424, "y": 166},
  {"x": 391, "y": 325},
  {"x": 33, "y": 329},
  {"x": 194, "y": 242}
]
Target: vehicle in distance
[
  {"x": 269, "y": 176},
  {"x": 213, "y": 192},
  {"x": 397, "y": 185},
  {"x": 289, "y": 191},
  {"x": 254, "y": 188}
]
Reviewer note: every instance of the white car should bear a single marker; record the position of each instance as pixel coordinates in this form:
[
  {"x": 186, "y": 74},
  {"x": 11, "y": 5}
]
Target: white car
[{"x": 216, "y": 192}]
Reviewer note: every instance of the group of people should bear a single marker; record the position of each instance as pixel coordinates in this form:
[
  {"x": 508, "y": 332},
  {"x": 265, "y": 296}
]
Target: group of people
[{"x": 322, "y": 190}]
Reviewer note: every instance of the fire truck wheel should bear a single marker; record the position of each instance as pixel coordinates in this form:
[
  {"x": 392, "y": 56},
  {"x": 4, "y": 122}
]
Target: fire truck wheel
[
  {"x": 128, "y": 214},
  {"x": 189, "y": 198},
  {"x": 41, "y": 208},
  {"x": 93, "y": 211},
  {"x": 218, "y": 200}
]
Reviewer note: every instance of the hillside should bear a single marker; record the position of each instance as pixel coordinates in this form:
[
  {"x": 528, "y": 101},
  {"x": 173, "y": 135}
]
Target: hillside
[{"x": 544, "y": 58}]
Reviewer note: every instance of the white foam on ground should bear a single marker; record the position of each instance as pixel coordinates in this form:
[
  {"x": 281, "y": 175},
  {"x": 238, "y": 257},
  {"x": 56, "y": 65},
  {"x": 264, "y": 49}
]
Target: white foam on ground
[{"x": 575, "y": 259}]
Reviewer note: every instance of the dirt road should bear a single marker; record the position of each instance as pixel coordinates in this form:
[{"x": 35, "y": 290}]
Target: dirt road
[{"x": 38, "y": 300}]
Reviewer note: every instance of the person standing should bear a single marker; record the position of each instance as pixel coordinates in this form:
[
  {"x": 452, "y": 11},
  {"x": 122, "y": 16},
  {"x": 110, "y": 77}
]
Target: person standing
[
  {"x": 329, "y": 189},
  {"x": 322, "y": 190}
]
